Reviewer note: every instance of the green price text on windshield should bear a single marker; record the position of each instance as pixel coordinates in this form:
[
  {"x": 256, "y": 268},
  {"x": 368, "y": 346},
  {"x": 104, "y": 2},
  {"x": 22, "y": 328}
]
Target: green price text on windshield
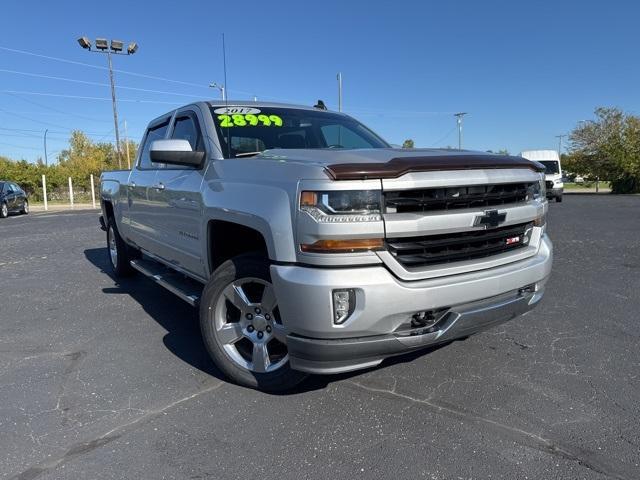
[{"x": 249, "y": 120}]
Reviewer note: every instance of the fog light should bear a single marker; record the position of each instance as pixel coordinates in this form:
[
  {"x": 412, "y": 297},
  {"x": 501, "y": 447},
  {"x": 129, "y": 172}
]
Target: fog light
[{"x": 344, "y": 303}]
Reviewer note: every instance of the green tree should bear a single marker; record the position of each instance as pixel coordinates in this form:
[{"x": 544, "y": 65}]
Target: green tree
[
  {"x": 608, "y": 148},
  {"x": 408, "y": 143},
  {"x": 79, "y": 161}
]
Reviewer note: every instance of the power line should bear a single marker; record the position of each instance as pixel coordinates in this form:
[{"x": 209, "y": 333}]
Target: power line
[
  {"x": 32, "y": 102},
  {"x": 435, "y": 144},
  {"x": 18, "y": 146},
  {"x": 50, "y": 131},
  {"x": 54, "y": 138},
  {"x": 83, "y": 97},
  {"x": 20, "y": 135},
  {"x": 51, "y": 124},
  {"x": 98, "y": 84},
  {"x": 386, "y": 111},
  {"x": 33, "y": 119},
  {"x": 99, "y": 67},
  {"x": 126, "y": 72}
]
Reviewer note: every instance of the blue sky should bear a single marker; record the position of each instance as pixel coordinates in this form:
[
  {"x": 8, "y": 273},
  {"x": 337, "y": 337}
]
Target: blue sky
[{"x": 525, "y": 71}]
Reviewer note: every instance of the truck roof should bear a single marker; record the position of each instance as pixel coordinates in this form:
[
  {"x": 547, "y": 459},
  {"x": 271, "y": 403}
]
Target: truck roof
[
  {"x": 251, "y": 103},
  {"x": 241, "y": 103}
]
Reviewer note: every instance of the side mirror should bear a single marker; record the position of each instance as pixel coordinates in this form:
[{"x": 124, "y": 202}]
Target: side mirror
[{"x": 175, "y": 152}]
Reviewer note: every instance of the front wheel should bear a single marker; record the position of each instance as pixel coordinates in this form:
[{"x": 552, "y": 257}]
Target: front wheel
[
  {"x": 558, "y": 198},
  {"x": 25, "y": 208},
  {"x": 4, "y": 210},
  {"x": 242, "y": 328}
]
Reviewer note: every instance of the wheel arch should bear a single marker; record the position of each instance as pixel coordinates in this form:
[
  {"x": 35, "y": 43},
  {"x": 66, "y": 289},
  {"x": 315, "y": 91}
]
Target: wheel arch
[{"x": 227, "y": 239}]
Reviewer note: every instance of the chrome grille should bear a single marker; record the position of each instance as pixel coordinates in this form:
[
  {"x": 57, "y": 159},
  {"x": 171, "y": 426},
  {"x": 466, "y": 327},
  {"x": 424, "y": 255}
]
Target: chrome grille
[
  {"x": 454, "y": 247},
  {"x": 449, "y": 198}
]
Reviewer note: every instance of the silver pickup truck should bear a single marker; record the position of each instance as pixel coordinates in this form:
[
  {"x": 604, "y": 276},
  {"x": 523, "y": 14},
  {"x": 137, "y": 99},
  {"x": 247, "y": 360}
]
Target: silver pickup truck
[{"x": 310, "y": 245}]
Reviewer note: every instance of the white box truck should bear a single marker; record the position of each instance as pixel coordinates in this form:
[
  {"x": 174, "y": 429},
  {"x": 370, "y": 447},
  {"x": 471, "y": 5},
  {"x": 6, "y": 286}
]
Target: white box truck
[{"x": 553, "y": 170}]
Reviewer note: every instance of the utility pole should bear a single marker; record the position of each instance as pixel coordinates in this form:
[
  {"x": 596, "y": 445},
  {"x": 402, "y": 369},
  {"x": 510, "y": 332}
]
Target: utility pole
[
  {"x": 560, "y": 137},
  {"x": 221, "y": 88},
  {"x": 459, "y": 117},
  {"x": 339, "y": 77},
  {"x": 126, "y": 144},
  {"x": 115, "y": 48},
  {"x": 46, "y": 160}
]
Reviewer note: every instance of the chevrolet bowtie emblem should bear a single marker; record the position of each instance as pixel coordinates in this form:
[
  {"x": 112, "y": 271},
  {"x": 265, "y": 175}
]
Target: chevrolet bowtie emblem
[{"x": 491, "y": 218}]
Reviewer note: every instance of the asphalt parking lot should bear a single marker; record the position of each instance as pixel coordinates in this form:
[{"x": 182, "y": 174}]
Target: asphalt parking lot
[{"x": 103, "y": 379}]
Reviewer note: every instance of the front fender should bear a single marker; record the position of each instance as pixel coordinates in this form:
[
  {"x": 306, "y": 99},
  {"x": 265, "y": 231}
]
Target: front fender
[{"x": 266, "y": 209}]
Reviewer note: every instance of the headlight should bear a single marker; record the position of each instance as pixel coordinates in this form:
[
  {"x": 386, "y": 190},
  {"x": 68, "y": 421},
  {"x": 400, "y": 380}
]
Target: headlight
[
  {"x": 342, "y": 205},
  {"x": 537, "y": 190},
  {"x": 543, "y": 188}
]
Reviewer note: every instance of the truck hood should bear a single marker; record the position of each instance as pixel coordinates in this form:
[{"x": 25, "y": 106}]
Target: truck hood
[{"x": 362, "y": 164}]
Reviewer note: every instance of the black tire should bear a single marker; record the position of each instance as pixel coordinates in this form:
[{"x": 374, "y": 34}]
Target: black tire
[
  {"x": 559, "y": 198},
  {"x": 241, "y": 267},
  {"x": 25, "y": 208},
  {"x": 4, "y": 210},
  {"x": 120, "y": 264}
]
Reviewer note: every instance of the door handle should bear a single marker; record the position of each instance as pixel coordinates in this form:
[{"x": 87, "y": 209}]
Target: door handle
[
  {"x": 159, "y": 186},
  {"x": 132, "y": 185}
]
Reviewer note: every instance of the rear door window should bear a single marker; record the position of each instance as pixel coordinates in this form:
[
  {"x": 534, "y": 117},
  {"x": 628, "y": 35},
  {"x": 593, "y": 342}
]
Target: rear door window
[
  {"x": 157, "y": 132},
  {"x": 186, "y": 127}
]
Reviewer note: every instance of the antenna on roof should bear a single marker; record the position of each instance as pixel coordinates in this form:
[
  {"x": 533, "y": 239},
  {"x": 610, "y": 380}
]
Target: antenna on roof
[{"x": 320, "y": 105}]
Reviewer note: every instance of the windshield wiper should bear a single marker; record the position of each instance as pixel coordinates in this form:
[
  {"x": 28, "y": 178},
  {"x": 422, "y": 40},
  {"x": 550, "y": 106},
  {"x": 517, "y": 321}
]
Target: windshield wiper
[{"x": 247, "y": 154}]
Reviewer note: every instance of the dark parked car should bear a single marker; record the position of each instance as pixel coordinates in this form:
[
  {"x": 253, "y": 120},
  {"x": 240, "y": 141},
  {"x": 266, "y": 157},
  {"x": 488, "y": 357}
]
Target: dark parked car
[{"x": 12, "y": 199}]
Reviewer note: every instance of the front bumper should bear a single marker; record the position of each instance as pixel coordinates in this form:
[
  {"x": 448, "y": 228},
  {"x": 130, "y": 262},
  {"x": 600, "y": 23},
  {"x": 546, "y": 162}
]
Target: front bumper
[
  {"x": 555, "y": 192},
  {"x": 340, "y": 355},
  {"x": 471, "y": 302}
]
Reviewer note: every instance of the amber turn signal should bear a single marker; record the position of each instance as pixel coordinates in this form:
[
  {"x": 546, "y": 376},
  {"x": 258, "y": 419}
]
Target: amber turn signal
[
  {"x": 540, "y": 221},
  {"x": 308, "y": 199},
  {"x": 343, "y": 246}
]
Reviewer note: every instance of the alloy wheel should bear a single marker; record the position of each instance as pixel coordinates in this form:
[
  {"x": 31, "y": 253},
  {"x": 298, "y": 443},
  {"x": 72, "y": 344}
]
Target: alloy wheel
[
  {"x": 248, "y": 325},
  {"x": 113, "y": 248}
]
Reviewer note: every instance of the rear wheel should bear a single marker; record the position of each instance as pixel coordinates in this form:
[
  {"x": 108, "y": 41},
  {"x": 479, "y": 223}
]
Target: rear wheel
[
  {"x": 4, "y": 210},
  {"x": 119, "y": 255},
  {"x": 242, "y": 328},
  {"x": 25, "y": 207},
  {"x": 559, "y": 198}
]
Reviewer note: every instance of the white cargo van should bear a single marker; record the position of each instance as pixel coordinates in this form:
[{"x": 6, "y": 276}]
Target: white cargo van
[{"x": 553, "y": 170}]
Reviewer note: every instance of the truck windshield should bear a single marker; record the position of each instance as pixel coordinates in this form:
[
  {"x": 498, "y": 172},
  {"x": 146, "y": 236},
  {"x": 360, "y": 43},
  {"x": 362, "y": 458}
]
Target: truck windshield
[
  {"x": 551, "y": 166},
  {"x": 246, "y": 130}
]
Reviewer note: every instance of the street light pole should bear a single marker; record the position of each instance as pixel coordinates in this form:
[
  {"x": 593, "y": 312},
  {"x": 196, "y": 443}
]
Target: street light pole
[
  {"x": 46, "y": 160},
  {"x": 115, "y": 111},
  {"x": 220, "y": 87},
  {"x": 459, "y": 117},
  {"x": 560, "y": 137},
  {"x": 115, "y": 47}
]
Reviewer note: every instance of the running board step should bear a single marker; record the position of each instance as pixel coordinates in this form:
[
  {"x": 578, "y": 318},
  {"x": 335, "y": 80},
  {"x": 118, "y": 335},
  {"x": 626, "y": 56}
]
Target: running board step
[{"x": 187, "y": 289}]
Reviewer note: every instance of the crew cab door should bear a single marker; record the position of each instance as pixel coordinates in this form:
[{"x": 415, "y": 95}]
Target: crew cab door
[
  {"x": 176, "y": 200},
  {"x": 142, "y": 179}
]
